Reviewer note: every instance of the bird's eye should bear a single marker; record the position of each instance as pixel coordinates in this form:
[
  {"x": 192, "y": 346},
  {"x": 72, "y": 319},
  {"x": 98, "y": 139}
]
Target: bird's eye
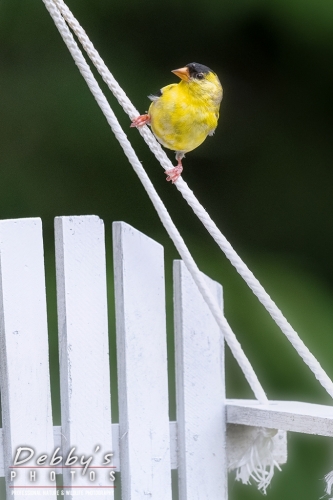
[{"x": 200, "y": 76}]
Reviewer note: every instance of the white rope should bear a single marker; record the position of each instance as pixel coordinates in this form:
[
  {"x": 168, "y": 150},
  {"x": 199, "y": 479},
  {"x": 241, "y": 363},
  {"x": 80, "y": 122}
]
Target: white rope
[
  {"x": 188, "y": 195},
  {"x": 258, "y": 290},
  {"x": 157, "y": 202}
]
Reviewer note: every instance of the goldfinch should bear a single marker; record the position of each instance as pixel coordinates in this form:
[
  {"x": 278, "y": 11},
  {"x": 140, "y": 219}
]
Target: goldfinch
[{"x": 182, "y": 114}]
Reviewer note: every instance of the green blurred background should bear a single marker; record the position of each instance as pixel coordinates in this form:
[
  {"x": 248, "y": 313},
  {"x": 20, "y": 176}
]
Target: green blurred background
[{"x": 265, "y": 177}]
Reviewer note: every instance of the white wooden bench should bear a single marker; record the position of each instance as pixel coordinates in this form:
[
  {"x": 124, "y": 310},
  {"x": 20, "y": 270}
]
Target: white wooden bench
[{"x": 210, "y": 434}]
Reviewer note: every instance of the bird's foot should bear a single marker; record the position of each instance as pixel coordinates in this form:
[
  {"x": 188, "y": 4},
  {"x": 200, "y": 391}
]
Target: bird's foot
[
  {"x": 140, "y": 121},
  {"x": 174, "y": 173}
]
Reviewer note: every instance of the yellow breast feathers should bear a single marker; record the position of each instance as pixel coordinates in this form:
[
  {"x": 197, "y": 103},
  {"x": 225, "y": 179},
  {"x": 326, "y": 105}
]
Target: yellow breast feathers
[
  {"x": 185, "y": 113},
  {"x": 182, "y": 115}
]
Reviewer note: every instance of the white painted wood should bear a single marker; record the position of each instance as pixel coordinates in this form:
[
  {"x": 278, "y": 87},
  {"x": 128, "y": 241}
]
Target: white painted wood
[
  {"x": 198, "y": 444},
  {"x": 83, "y": 344},
  {"x": 200, "y": 385},
  {"x": 115, "y": 441},
  {"x": 57, "y": 431},
  {"x": 241, "y": 437},
  {"x": 286, "y": 415},
  {"x": 174, "y": 445},
  {"x": 2, "y": 465},
  {"x": 24, "y": 369},
  {"x": 142, "y": 365}
]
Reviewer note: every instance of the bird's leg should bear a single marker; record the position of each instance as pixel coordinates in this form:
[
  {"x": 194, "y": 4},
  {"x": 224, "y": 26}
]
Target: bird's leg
[
  {"x": 140, "y": 121},
  {"x": 175, "y": 172}
]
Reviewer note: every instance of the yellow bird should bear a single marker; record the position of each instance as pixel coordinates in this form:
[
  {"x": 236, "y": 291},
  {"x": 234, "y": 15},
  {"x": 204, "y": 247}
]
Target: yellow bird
[{"x": 182, "y": 115}]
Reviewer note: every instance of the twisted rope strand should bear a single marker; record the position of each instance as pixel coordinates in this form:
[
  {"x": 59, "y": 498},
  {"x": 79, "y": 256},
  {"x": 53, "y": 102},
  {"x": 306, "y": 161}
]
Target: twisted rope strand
[
  {"x": 257, "y": 289},
  {"x": 157, "y": 202}
]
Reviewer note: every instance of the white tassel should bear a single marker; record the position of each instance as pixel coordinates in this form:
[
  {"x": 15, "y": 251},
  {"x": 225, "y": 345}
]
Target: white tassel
[
  {"x": 329, "y": 483},
  {"x": 258, "y": 461}
]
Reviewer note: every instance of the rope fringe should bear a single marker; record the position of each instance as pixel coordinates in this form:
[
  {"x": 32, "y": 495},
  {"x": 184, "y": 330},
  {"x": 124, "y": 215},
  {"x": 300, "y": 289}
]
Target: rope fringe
[
  {"x": 258, "y": 461},
  {"x": 329, "y": 483}
]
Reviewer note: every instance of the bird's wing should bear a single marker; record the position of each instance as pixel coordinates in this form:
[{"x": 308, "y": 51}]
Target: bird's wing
[
  {"x": 157, "y": 95},
  {"x": 217, "y": 117}
]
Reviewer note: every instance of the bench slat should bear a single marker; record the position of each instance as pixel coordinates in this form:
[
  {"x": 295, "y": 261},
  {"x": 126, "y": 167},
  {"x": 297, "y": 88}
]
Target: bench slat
[
  {"x": 83, "y": 345},
  {"x": 293, "y": 416},
  {"x": 142, "y": 365},
  {"x": 199, "y": 345},
  {"x": 25, "y": 380}
]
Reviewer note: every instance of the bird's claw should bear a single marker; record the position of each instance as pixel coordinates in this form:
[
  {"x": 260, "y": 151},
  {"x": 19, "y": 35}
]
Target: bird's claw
[
  {"x": 140, "y": 121},
  {"x": 174, "y": 173}
]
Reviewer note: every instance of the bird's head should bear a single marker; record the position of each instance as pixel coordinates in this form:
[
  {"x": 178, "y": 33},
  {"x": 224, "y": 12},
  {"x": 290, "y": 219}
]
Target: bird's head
[{"x": 201, "y": 79}]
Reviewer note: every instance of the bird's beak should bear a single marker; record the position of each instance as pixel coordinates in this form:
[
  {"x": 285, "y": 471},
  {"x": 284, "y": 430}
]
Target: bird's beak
[{"x": 183, "y": 73}]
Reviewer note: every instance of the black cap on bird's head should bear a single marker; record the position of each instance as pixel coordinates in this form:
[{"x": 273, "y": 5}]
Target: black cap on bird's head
[
  {"x": 195, "y": 69},
  {"x": 192, "y": 70}
]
